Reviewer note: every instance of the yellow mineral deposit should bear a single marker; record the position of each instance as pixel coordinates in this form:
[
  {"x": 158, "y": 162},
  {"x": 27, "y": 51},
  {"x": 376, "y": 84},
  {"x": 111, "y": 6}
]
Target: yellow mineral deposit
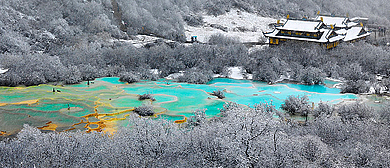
[
  {"x": 28, "y": 102},
  {"x": 49, "y": 126},
  {"x": 181, "y": 121},
  {"x": 2, "y": 133}
]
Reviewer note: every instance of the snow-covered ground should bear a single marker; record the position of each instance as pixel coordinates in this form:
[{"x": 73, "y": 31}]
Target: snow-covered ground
[
  {"x": 233, "y": 22},
  {"x": 236, "y": 73},
  {"x": 244, "y": 26},
  {"x": 141, "y": 40}
]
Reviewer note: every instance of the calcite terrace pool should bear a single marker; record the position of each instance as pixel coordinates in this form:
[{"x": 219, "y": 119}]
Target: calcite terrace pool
[{"x": 104, "y": 104}]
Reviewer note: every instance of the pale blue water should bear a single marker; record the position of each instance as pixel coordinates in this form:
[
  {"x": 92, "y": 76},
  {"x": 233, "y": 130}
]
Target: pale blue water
[
  {"x": 194, "y": 96},
  {"x": 173, "y": 100}
]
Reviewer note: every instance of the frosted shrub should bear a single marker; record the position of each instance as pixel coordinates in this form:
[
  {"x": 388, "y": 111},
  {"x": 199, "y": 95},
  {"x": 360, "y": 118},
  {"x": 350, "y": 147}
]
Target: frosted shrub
[
  {"x": 323, "y": 110},
  {"x": 384, "y": 114},
  {"x": 218, "y": 93},
  {"x": 220, "y": 39},
  {"x": 266, "y": 75},
  {"x": 359, "y": 86},
  {"x": 146, "y": 96},
  {"x": 298, "y": 105},
  {"x": 198, "y": 118},
  {"x": 129, "y": 77},
  {"x": 311, "y": 75},
  {"x": 144, "y": 110},
  {"x": 355, "y": 112},
  {"x": 193, "y": 20},
  {"x": 145, "y": 74},
  {"x": 196, "y": 76}
]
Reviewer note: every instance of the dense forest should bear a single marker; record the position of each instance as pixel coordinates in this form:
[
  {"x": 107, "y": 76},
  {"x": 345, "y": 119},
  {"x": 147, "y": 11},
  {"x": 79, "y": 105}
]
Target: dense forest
[
  {"x": 240, "y": 137},
  {"x": 68, "y": 41}
]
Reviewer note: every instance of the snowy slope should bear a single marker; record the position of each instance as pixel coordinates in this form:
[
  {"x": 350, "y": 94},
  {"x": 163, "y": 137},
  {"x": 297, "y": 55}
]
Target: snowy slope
[{"x": 247, "y": 27}]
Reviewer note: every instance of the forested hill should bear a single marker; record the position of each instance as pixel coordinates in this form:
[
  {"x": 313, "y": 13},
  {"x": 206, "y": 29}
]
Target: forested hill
[
  {"x": 72, "y": 40},
  {"x": 33, "y": 25}
]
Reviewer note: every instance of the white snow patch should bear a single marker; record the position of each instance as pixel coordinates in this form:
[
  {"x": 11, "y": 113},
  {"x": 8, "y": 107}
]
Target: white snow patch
[
  {"x": 48, "y": 35},
  {"x": 175, "y": 75},
  {"x": 3, "y": 71},
  {"x": 338, "y": 85},
  {"x": 155, "y": 71},
  {"x": 238, "y": 73},
  {"x": 372, "y": 90},
  {"x": 250, "y": 76},
  {"x": 332, "y": 79},
  {"x": 258, "y": 47},
  {"x": 253, "y": 24},
  {"x": 383, "y": 90}
]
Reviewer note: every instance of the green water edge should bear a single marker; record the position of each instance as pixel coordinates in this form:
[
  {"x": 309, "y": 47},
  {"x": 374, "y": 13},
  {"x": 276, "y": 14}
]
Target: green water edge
[{"x": 174, "y": 101}]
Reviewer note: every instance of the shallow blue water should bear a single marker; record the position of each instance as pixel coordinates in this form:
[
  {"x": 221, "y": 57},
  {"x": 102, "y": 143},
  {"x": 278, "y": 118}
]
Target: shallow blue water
[
  {"x": 173, "y": 100},
  {"x": 194, "y": 96}
]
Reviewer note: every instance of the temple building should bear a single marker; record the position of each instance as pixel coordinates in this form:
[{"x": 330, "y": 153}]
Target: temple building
[
  {"x": 336, "y": 22},
  {"x": 353, "y": 29},
  {"x": 328, "y": 31},
  {"x": 304, "y": 30}
]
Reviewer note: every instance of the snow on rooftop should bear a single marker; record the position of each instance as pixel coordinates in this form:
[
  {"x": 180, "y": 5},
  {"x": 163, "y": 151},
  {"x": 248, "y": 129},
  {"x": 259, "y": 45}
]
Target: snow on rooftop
[
  {"x": 350, "y": 24},
  {"x": 333, "y": 20},
  {"x": 341, "y": 31},
  {"x": 232, "y": 21},
  {"x": 359, "y": 18},
  {"x": 353, "y": 33},
  {"x": 336, "y": 38},
  {"x": 301, "y": 25}
]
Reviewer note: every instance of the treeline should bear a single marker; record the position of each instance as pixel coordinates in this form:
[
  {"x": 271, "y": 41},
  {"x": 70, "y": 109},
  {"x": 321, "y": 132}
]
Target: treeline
[
  {"x": 240, "y": 137},
  {"x": 378, "y": 10},
  {"x": 42, "y": 26},
  {"x": 52, "y": 41},
  {"x": 91, "y": 60},
  {"x": 356, "y": 63}
]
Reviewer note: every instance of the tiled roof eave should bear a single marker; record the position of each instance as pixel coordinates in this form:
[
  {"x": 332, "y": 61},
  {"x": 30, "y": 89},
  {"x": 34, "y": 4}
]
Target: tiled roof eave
[
  {"x": 311, "y": 31},
  {"x": 321, "y": 40}
]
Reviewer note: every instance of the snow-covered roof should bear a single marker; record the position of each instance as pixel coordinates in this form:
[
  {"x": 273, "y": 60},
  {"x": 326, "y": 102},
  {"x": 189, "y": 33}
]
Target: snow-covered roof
[
  {"x": 354, "y": 33},
  {"x": 350, "y": 24},
  {"x": 336, "y": 38},
  {"x": 333, "y": 20},
  {"x": 358, "y": 19},
  {"x": 341, "y": 31},
  {"x": 301, "y": 25}
]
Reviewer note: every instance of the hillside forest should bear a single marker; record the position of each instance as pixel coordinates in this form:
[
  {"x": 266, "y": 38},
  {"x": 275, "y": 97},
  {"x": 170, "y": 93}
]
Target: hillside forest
[{"x": 69, "y": 41}]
